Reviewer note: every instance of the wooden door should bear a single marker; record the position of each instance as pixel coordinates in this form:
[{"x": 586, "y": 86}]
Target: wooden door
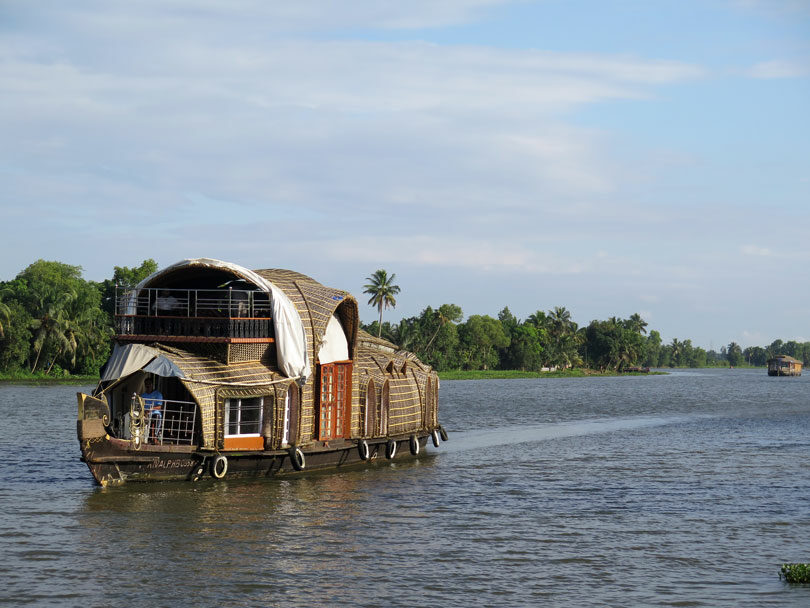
[{"x": 335, "y": 400}]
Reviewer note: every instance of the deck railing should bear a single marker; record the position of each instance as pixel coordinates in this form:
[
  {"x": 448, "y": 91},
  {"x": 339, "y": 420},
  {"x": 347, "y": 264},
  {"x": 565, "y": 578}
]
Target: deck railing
[
  {"x": 205, "y": 314},
  {"x": 193, "y": 303},
  {"x": 171, "y": 424}
]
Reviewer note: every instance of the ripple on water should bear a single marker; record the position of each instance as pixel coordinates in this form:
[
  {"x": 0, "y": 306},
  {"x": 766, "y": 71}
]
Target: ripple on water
[{"x": 592, "y": 492}]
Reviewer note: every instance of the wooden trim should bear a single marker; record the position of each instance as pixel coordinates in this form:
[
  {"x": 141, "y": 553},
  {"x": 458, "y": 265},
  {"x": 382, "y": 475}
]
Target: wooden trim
[
  {"x": 244, "y": 443},
  {"x": 159, "y": 338},
  {"x": 224, "y": 317},
  {"x": 348, "y": 385}
]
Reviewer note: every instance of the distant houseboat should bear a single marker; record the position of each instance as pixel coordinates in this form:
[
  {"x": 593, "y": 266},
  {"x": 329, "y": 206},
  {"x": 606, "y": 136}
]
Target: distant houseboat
[
  {"x": 783, "y": 365},
  {"x": 249, "y": 373}
]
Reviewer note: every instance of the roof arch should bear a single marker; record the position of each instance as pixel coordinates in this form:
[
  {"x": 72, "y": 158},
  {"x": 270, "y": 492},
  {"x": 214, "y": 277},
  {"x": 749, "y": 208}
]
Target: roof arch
[{"x": 291, "y": 341}]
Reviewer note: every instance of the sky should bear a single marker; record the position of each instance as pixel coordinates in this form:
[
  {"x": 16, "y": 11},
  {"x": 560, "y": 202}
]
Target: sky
[{"x": 609, "y": 156}]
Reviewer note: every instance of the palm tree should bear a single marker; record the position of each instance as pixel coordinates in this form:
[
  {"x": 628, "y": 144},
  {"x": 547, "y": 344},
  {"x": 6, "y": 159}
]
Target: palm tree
[
  {"x": 442, "y": 321},
  {"x": 382, "y": 290},
  {"x": 637, "y": 324},
  {"x": 50, "y": 323},
  {"x": 560, "y": 319},
  {"x": 676, "y": 352}
]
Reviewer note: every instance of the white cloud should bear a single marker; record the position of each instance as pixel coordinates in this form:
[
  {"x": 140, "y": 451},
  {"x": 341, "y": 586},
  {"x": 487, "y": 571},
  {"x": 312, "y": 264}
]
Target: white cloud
[
  {"x": 412, "y": 126},
  {"x": 779, "y": 69},
  {"x": 755, "y": 250}
]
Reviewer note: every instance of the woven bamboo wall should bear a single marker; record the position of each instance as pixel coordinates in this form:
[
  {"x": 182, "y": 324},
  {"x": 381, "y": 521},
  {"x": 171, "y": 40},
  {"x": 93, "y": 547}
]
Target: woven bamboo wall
[
  {"x": 411, "y": 408},
  {"x": 252, "y": 367},
  {"x": 405, "y": 412},
  {"x": 316, "y": 304},
  {"x": 205, "y": 378}
]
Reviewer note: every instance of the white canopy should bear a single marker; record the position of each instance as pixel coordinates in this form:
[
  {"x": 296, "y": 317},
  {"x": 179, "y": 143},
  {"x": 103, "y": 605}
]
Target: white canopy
[
  {"x": 335, "y": 347},
  {"x": 291, "y": 342},
  {"x": 130, "y": 358}
]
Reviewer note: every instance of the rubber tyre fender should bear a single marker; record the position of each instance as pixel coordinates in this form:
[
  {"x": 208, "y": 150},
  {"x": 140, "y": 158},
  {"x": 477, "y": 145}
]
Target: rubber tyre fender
[
  {"x": 219, "y": 466},
  {"x": 390, "y": 449},
  {"x": 434, "y": 436},
  {"x": 299, "y": 462},
  {"x": 199, "y": 471},
  {"x": 413, "y": 443},
  {"x": 362, "y": 448}
]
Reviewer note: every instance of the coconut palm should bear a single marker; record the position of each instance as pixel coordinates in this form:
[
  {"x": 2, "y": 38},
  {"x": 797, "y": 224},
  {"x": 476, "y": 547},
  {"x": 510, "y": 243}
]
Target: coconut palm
[
  {"x": 382, "y": 290},
  {"x": 637, "y": 324},
  {"x": 50, "y": 323}
]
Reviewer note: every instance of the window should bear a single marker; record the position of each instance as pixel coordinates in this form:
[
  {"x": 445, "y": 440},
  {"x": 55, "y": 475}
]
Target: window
[{"x": 243, "y": 416}]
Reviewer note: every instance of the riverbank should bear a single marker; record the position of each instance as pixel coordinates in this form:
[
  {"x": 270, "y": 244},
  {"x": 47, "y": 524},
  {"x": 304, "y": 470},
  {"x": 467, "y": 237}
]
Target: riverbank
[{"x": 21, "y": 377}]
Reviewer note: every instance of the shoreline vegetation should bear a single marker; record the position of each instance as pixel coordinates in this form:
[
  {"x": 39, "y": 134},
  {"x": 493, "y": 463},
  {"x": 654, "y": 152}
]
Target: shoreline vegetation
[
  {"x": 57, "y": 327},
  {"x": 25, "y": 377}
]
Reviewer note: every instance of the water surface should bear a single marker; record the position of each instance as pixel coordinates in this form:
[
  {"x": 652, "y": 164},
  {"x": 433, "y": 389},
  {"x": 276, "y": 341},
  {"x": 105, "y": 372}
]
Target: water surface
[{"x": 681, "y": 490}]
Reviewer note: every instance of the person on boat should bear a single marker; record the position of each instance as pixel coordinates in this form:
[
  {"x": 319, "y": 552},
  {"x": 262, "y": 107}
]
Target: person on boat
[{"x": 153, "y": 403}]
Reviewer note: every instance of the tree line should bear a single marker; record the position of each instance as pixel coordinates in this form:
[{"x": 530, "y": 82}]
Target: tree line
[
  {"x": 547, "y": 340},
  {"x": 552, "y": 340},
  {"x": 54, "y": 322}
]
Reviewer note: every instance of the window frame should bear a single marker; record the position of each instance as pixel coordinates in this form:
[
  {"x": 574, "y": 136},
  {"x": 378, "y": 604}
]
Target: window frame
[{"x": 239, "y": 400}]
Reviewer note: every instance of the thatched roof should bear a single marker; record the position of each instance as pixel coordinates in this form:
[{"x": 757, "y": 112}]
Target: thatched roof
[
  {"x": 316, "y": 304},
  {"x": 208, "y": 380},
  {"x": 786, "y": 358}
]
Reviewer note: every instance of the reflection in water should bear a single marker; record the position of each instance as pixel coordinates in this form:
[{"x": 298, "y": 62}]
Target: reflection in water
[{"x": 255, "y": 537}]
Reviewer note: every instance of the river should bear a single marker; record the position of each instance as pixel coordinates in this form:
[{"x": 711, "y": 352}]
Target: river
[{"x": 689, "y": 489}]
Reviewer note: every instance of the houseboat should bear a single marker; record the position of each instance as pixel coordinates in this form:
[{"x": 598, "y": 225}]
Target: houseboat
[
  {"x": 783, "y": 365},
  {"x": 220, "y": 371}
]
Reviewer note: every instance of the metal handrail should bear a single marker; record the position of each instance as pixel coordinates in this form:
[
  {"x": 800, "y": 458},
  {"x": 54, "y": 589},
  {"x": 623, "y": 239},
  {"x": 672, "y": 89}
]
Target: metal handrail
[
  {"x": 171, "y": 423},
  {"x": 192, "y": 303}
]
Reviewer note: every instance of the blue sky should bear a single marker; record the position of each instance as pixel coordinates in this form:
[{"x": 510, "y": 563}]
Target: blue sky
[{"x": 611, "y": 157}]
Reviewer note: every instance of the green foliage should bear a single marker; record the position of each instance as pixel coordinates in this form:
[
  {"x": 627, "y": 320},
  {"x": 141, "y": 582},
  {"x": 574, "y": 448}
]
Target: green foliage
[
  {"x": 614, "y": 344},
  {"x": 125, "y": 278},
  {"x": 15, "y": 345},
  {"x": 479, "y": 340},
  {"x": 795, "y": 573},
  {"x": 735, "y": 355},
  {"x": 54, "y": 320},
  {"x": 382, "y": 289}
]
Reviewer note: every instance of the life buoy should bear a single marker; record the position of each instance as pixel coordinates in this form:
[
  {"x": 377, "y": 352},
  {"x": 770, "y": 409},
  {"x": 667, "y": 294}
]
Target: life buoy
[
  {"x": 443, "y": 433},
  {"x": 390, "y": 449},
  {"x": 297, "y": 459},
  {"x": 219, "y": 466},
  {"x": 414, "y": 445},
  {"x": 434, "y": 435},
  {"x": 362, "y": 447}
]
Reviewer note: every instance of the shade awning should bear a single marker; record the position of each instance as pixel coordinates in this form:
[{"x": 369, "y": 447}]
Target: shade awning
[{"x": 127, "y": 359}]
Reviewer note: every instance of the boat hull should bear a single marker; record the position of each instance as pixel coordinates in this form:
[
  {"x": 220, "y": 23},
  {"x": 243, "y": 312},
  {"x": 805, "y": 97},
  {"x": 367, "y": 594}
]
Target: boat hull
[{"x": 116, "y": 461}]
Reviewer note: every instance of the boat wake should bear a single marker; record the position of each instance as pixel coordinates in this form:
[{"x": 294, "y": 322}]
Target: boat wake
[{"x": 511, "y": 435}]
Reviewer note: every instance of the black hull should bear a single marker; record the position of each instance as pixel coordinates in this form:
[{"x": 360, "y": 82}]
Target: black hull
[{"x": 115, "y": 461}]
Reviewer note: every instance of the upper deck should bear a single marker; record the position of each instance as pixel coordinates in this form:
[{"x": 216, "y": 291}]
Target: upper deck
[{"x": 193, "y": 315}]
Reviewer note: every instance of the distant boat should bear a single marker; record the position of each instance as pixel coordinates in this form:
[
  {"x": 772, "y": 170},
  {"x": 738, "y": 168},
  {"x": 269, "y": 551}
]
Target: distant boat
[
  {"x": 251, "y": 373},
  {"x": 783, "y": 365}
]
